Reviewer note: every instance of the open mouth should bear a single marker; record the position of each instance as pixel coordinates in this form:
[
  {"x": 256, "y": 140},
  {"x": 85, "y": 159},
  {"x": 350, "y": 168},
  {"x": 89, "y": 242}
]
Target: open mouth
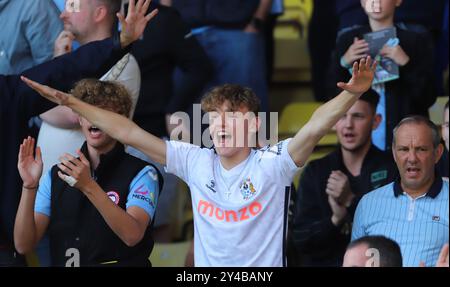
[
  {"x": 413, "y": 171},
  {"x": 223, "y": 136},
  {"x": 95, "y": 132},
  {"x": 349, "y": 136}
]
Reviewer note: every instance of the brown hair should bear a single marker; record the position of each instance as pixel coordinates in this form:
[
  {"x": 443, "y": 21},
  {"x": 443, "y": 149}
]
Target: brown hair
[
  {"x": 106, "y": 95},
  {"x": 113, "y": 6},
  {"x": 236, "y": 95}
]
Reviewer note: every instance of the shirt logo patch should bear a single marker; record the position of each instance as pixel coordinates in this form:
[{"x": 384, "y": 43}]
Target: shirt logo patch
[
  {"x": 436, "y": 218},
  {"x": 141, "y": 191},
  {"x": 149, "y": 197},
  {"x": 145, "y": 194},
  {"x": 209, "y": 210},
  {"x": 211, "y": 185},
  {"x": 272, "y": 151},
  {"x": 247, "y": 189},
  {"x": 114, "y": 196},
  {"x": 378, "y": 176}
]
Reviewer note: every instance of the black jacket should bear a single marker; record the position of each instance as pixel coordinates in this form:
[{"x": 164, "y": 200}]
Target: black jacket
[
  {"x": 443, "y": 163},
  {"x": 235, "y": 14},
  {"x": 18, "y": 103},
  {"x": 414, "y": 92},
  {"x": 317, "y": 240},
  {"x": 429, "y": 15},
  {"x": 76, "y": 223},
  {"x": 166, "y": 44}
]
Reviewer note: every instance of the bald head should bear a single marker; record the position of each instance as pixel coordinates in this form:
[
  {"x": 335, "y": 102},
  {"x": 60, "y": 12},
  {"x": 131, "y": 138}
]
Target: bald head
[{"x": 373, "y": 251}]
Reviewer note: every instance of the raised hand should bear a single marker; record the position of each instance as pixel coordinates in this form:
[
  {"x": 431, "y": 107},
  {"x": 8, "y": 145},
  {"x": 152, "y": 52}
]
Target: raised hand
[
  {"x": 134, "y": 24},
  {"x": 362, "y": 77},
  {"x": 30, "y": 167},
  {"x": 50, "y": 94}
]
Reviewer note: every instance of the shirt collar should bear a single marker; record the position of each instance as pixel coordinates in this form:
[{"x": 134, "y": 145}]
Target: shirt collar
[
  {"x": 434, "y": 190},
  {"x": 368, "y": 158},
  {"x": 109, "y": 159}
]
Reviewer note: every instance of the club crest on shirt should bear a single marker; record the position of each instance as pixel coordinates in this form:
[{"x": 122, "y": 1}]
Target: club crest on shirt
[
  {"x": 114, "y": 196},
  {"x": 247, "y": 189}
]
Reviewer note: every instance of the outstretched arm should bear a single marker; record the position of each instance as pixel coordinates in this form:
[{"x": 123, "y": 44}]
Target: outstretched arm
[
  {"x": 323, "y": 119},
  {"x": 90, "y": 61},
  {"x": 116, "y": 126},
  {"x": 61, "y": 117}
]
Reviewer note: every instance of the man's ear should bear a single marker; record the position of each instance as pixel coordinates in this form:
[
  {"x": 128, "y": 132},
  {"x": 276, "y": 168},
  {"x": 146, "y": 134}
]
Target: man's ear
[
  {"x": 438, "y": 153},
  {"x": 376, "y": 121},
  {"x": 100, "y": 13},
  {"x": 399, "y": 3}
]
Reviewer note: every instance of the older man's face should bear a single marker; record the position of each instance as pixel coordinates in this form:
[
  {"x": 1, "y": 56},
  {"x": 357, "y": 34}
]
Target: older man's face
[{"x": 415, "y": 155}]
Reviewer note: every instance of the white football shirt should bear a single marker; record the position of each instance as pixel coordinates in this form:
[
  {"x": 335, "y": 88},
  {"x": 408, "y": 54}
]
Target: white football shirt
[{"x": 240, "y": 215}]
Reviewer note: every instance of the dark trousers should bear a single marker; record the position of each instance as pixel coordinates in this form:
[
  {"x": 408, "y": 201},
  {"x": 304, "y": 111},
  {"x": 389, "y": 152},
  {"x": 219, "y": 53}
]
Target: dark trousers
[{"x": 10, "y": 258}]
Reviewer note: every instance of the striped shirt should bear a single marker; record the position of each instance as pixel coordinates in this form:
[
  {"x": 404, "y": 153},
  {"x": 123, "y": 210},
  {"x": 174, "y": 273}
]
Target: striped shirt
[{"x": 419, "y": 226}]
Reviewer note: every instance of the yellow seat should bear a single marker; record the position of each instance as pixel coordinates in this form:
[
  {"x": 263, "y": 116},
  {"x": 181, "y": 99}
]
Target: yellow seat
[
  {"x": 295, "y": 116},
  {"x": 170, "y": 254},
  {"x": 182, "y": 215},
  {"x": 32, "y": 260},
  {"x": 294, "y": 22},
  {"x": 292, "y": 61}
]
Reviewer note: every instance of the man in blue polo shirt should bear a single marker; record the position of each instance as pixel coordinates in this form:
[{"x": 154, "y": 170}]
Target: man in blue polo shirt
[{"x": 414, "y": 210}]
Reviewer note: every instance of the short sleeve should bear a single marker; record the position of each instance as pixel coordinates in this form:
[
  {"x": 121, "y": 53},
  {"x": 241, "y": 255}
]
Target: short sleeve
[
  {"x": 180, "y": 157},
  {"x": 43, "y": 198},
  {"x": 276, "y": 160},
  {"x": 144, "y": 191}
]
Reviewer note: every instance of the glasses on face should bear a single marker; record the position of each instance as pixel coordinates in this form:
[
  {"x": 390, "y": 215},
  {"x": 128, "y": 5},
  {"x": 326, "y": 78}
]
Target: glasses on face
[{"x": 73, "y": 6}]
